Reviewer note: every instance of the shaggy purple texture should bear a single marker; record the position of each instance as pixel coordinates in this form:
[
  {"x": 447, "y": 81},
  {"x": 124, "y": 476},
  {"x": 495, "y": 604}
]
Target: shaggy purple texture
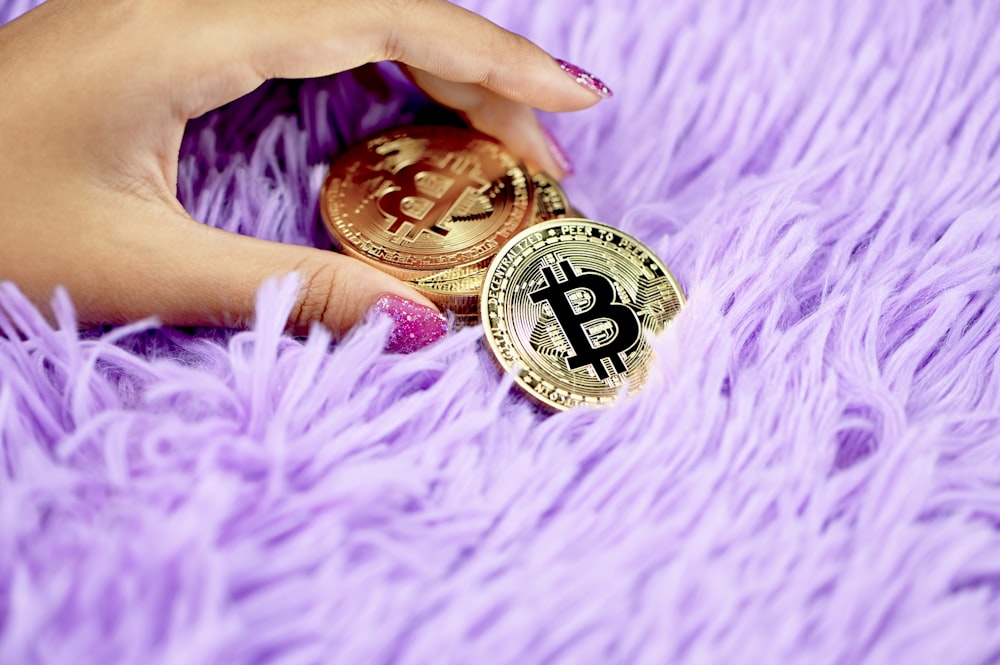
[{"x": 813, "y": 475}]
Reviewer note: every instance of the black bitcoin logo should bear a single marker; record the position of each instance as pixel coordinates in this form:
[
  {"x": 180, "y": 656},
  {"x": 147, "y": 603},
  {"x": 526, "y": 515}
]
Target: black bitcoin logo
[
  {"x": 424, "y": 197},
  {"x": 597, "y": 327}
]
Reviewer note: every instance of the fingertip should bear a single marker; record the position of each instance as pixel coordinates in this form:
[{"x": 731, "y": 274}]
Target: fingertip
[
  {"x": 340, "y": 292},
  {"x": 556, "y": 85},
  {"x": 415, "y": 325},
  {"x": 553, "y": 85},
  {"x": 585, "y": 79}
]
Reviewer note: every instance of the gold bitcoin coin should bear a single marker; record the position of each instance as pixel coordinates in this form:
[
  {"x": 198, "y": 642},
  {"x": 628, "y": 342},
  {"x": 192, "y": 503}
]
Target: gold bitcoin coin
[
  {"x": 571, "y": 303},
  {"x": 551, "y": 201},
  {"x": 423, "y": 199}
]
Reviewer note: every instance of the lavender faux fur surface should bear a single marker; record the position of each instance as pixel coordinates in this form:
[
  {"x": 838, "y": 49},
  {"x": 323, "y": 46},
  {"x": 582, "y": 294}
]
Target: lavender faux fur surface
[{"x": 812, "y": 476}]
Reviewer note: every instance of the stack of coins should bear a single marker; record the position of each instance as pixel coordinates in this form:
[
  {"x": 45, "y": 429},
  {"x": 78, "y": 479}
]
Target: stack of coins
[
  {"x": 567, "y": 303},
  {"x": 432, "y": 205}
]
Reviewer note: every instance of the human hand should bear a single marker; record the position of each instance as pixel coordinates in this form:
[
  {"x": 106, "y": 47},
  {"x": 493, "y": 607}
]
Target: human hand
[{"x": 95, "y": 100}]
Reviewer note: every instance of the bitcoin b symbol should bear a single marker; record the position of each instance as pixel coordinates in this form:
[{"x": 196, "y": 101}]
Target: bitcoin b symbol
[
  {"x": 597, "y": 327},
  {"x": 425, "y": 196}
]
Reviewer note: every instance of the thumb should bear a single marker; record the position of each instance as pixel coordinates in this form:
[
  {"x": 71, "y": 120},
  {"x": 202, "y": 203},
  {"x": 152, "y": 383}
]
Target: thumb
[{"x": 187, "y": 273}]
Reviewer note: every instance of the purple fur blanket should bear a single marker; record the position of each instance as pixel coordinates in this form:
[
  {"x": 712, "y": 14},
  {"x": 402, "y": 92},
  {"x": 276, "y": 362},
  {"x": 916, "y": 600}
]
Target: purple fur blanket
[{"x": 812, "y": 475}]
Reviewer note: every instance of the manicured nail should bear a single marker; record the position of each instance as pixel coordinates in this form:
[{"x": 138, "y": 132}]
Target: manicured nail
[
  {"x": 557, "y": 152},
  {"x": 586, "y": 79},
  {"x": 415, "y": 327}
]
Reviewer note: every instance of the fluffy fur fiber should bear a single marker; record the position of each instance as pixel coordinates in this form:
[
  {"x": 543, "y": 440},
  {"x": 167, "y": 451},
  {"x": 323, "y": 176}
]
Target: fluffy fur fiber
[{"x": 813, "y": 475}]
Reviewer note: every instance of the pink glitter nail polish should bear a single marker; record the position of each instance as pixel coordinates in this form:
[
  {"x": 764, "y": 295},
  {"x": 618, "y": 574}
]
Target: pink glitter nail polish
[
  {"x": 586, "y": 79},
  {"x": 557, "y": 152},
  {"x": 415, "y": 327}
]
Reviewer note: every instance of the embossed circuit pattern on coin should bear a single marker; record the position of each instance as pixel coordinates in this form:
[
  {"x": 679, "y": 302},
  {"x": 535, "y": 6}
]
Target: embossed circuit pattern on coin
[
  {"x": 572, "y": 303},
  {"x": 426, "y": 198}
]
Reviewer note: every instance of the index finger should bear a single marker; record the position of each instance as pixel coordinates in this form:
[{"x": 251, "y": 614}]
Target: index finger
[{"x": 305, "y": 38}]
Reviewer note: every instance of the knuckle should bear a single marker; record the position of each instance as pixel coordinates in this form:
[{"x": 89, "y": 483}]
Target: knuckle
[
  {"x": 317, "y": 293},
  {"x": 396, "y": 15},
  {"x": 403, "y": 9},
  {"x": 392, "y": 46},
  {"x": 511, "y": 44},
  {"x": 506, "y": 51}
]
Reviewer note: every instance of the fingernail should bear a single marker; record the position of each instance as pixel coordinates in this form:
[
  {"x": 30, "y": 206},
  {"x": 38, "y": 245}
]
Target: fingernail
[
  {"x": 415, "y": 326},
  {"x": 557, "y": 152},
  {"x": 586, "y": 79}
]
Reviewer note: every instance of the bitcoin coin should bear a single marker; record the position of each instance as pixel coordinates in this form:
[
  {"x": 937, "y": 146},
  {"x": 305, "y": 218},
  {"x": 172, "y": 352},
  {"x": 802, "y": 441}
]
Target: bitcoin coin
[
  {"x": 551, "y": 201},
  {"x": 423, "y": 199},
  {"x": 572, "y": 303}
]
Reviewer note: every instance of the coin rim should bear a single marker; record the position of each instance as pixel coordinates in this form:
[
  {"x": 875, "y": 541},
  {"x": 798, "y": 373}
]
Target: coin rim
[
  {"x": 543, "y": 180},
  {"x": 484, "y": 313}
]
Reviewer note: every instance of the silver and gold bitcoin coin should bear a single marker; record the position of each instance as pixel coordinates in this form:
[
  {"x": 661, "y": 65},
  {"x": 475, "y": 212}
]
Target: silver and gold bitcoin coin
[
  {"x": 571, "y": 304},
  {"x": 423, "y": 199}
]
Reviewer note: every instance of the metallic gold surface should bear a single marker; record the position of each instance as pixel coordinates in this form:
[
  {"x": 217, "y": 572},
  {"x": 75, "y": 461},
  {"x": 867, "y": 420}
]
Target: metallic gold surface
[
  {"x": 571, "y": 303},
  {"x": 460, "y": 295},
  {"x": 465, "y": 321},
  {"x": 423, "y": 199},
  {"x": 551, "y": 201}
]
